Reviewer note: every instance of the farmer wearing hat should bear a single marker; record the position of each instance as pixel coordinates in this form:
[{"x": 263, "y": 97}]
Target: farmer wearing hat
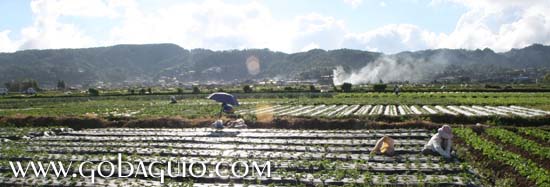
[{"x": 440, "y": 143}]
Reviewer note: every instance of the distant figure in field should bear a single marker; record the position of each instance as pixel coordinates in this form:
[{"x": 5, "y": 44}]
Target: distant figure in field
[
  {"x": 173, "y": 100},
  {"x": 236, "y": 123},
  {"x": 440, "y": 143},
  {"x": 385, "y": 146},
  {"x": 396, "y": 90},
  {"x": 218, "y": 124}
]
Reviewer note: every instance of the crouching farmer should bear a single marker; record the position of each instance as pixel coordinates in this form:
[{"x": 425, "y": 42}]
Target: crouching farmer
[
  {"x": 440, "y": 143},
  {"x": 385, "y": 146}
]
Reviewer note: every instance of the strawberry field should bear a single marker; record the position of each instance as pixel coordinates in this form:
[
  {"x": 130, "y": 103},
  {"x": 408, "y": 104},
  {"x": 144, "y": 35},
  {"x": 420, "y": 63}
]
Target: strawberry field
[
  {"x": 308, "y": 140},
  {"x": 298, "y": 157}
]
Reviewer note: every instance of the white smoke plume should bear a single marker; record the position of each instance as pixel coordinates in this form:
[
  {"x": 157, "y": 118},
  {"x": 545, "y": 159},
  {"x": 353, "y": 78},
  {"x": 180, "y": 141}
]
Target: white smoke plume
[{"x": 392, "y": 69}]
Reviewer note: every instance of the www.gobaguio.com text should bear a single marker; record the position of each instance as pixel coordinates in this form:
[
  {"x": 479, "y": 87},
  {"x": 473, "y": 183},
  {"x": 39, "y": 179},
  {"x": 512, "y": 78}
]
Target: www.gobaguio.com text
[{"x": 125, "y": 169}]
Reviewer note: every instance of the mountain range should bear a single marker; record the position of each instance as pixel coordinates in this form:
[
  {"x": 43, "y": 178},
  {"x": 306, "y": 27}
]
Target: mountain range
[{"x": 149, "y": 63}]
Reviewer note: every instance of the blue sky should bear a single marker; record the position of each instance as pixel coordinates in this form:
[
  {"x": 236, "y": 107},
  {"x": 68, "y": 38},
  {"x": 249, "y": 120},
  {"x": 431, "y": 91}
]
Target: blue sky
[{"x": 283, "y": 25}]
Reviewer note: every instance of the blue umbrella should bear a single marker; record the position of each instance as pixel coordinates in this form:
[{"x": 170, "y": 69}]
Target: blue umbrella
[{"x": 223, "y": 97}]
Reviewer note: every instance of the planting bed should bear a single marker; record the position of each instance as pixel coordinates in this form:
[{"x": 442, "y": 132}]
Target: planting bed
[
  {"x": 394, "y": 110},
  {"x": 298, "y": 157},
  {"x": 521, "y": 159}
]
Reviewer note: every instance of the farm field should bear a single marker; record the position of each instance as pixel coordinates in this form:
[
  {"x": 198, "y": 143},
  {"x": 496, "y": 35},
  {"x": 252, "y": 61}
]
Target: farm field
[
  {"x": 196, "y": 106},
  {"x": 270, "y": 93},
  {"x": 393, "y": 110},
  {"x": 308, "y": 154},
  {"x": 298, "y": 157}
]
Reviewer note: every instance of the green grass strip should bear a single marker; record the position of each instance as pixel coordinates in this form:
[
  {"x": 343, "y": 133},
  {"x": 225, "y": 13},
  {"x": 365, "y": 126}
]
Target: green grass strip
[{"x": 523, "y": 166}]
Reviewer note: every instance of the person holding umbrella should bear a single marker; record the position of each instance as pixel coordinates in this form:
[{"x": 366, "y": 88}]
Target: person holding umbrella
[
  {"x": 228, "y": 101},
  {"x": 227, "y": 108}
]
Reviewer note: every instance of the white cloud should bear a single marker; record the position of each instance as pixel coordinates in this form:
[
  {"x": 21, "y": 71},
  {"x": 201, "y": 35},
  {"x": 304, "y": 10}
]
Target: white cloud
[
  {"x": 324, "y": 31},
  {"x": 85, "y": 8},
  {"x": 392, "y": 38},
  {"x": 500, "y": 25},
  {"x": 382, "y": 4},
  {"x": 48, "y": 32},
  {"x": 6, "y": 44},
  {"x": 310, "y": 47},
  {"x": 209, "y": 24},
  {"x": 353, "y": 3},
  {"x": 220, "y": 25}
]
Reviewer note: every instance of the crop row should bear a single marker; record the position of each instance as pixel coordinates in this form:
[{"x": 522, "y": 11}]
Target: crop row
[
  {"x": 410, "y": 135},
  {"x": 290, "y": 179},
  {"x": 328, "y": 172},
  {"x": 53, "y": 181},
  {"x": 413, "y": 165},
  {"x": 509, "y": 137},
  {"x": 299, "y": 148},
  {"x": 214, "y": 153},
  {"x": 228, "y": 146},
  {"x": 523, "y": 166},
  {"x": 225, "y": 140},
  {"x": 394, "y": 110},
  {"x": 537, "y": 133},
  {"x": 357, "y": 131},
  {"x": 375, "y": 161}
]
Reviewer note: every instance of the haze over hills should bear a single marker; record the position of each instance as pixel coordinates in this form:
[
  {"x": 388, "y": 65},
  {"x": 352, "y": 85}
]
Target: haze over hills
[{"x": 149, "y": 63}]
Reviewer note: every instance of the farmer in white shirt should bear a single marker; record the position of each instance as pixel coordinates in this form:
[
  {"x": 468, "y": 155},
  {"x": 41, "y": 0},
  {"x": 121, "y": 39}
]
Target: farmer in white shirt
[{"x": 440, "y": 143}]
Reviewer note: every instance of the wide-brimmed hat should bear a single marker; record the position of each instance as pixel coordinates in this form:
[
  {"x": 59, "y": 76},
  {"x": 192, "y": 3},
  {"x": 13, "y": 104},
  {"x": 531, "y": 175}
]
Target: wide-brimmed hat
[{"x": 445, "y": 132}]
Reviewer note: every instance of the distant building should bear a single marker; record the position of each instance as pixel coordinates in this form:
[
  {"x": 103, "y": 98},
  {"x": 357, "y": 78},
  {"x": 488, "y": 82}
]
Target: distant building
[
  {"x": 30, "y": 91},
  {"x": 325, "y": 88},
  {"x": 523, "y": 79},
  {"x": 4, "y": 91},
  {"x": 448, "y": 80},
  {"x": 326, "y": 80}
]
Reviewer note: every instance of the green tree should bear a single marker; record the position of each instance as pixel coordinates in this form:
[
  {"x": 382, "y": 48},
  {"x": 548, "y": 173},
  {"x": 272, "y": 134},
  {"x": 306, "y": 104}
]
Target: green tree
[
  {"x": 22, "y": 85},
  {"x": 379, "y": 87},
  {"x": 61, "y": 85},
  {"x": 12, "y": 86},
  {"x": 150, "y": 91},
  {"x": 247, "y": 89},
  {"x": 142, "y": 91},
  {"x": 312, "y": 88},
  {"x": 196, "y": 90},
  {"x": 547, "y": 78},
  {"x": 346, "y": 87},
  {"x": 93, "y": 92},
  {"x": 179, "y": 90}
]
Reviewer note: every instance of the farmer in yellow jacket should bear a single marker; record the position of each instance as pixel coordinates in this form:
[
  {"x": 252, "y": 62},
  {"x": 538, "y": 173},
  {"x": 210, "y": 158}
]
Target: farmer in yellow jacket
[{"x": 385, "y": 146}]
